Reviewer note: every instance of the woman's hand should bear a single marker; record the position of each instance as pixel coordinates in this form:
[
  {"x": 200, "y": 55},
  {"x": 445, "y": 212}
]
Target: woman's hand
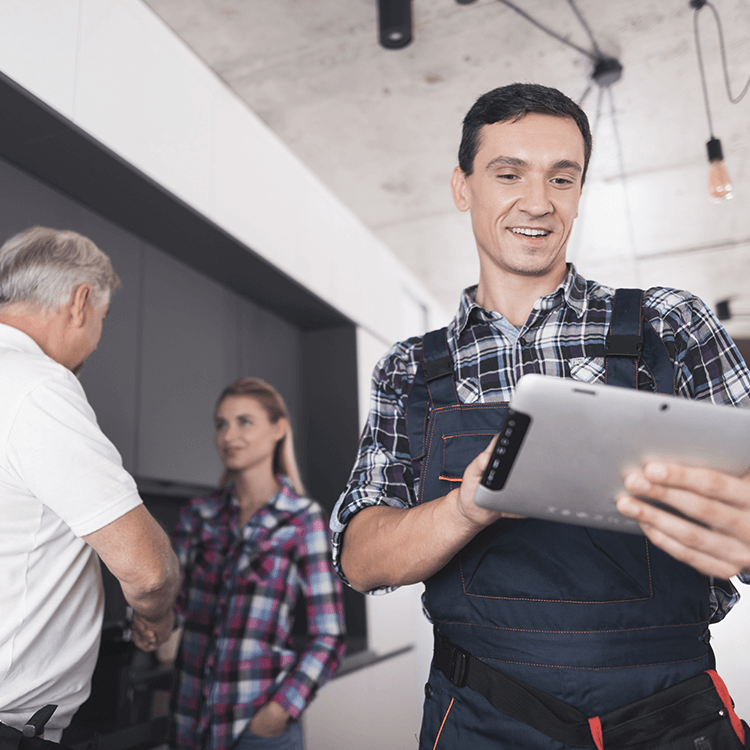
[
  {"x": 270, "y": 721},
  {"x": 718, "y": 544}
]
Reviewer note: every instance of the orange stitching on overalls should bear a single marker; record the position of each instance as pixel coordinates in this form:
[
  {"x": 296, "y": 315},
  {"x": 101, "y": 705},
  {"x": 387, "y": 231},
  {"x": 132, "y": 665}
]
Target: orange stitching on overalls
[
  {"x": 648, "y": 562},
  {"x": 468, "y": 434},
  {"x": 661, "y": 341},
  {"x": 428, "y": 449},
  {"x": 450, "y": 477},
  {"x": 432, "y": 435},
  {"x": 572, "y": 632},
  {"x": 445, "y": 718},
  {"x": 489, "y": 405},
  {"x": 606, "y": 336},
  {"x": 562, "y": 601},
  {"x": 592, "y": 669},
  {"x": 426, "y": 459}
]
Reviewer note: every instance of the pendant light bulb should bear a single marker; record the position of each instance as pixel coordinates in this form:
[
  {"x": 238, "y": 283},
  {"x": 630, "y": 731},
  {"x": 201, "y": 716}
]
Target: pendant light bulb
[{"x": 719, "y": 182}]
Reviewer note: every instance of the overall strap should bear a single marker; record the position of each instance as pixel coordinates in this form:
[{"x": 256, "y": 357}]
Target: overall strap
[
  {"x": 632, "y": 339},
  {"x": 433, "y": 384}
]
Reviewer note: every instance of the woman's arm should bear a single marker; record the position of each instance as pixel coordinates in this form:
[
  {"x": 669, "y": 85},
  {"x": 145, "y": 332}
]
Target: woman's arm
[{"x": 322, "y": 595}]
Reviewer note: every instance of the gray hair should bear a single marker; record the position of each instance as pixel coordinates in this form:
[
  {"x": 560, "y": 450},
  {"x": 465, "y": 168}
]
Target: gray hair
[{"x": 44, "y": 267}]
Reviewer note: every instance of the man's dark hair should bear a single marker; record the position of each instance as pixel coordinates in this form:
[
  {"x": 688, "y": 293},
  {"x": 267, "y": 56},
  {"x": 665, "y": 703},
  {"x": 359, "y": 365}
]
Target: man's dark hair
[{"x": 513, "y": 102}]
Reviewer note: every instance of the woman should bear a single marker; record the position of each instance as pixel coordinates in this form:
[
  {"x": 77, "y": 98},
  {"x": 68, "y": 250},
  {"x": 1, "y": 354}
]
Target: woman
[{"x": 247, "y": 551}]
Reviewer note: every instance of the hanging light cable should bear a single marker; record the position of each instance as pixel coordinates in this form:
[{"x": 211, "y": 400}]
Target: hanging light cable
[
  {"x": 606, "y": 71},
  {"x": 719, "y": 182},
  {"x": 549, "y": 31}
]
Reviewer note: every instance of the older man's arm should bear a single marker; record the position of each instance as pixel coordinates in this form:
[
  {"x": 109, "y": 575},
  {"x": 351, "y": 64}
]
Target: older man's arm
[
  {"x": 719, "y": 544},
  {"x": 138, "y": 553}
]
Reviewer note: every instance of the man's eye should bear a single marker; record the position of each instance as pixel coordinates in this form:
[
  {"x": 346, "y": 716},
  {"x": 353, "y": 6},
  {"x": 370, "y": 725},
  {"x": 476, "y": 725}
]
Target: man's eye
[
  {"x": 507, "y": 177},
  {"x": 562, "y": 181}
]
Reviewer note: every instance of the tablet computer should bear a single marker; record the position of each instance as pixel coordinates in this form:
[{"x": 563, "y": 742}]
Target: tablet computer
[{"x": 565, "y": 446}]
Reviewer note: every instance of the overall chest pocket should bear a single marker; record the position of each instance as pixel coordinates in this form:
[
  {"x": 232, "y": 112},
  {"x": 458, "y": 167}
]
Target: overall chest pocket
[
  {"x": 459, "y": 450},
  {"x": 542, "y": 560}
]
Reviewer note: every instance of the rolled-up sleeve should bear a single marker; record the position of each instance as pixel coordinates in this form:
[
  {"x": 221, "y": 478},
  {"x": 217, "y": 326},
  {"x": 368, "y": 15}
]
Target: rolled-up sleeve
[{"x": 382, "y": 473}]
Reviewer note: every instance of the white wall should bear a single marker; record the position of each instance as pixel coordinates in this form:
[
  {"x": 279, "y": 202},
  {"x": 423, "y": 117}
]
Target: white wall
[
  {"x": 115, "y": 70},
  {"x": 730, "y": 644}
]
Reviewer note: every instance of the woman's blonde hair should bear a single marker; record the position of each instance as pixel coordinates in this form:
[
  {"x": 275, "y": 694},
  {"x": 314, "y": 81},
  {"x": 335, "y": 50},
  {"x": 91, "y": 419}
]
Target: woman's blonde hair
[{"x": 284, "y": 461}]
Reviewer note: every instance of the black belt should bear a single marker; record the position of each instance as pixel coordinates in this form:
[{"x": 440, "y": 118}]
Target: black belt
[
  {"x": 695, "y": 702},
  {"x": 28, "y": 738}
]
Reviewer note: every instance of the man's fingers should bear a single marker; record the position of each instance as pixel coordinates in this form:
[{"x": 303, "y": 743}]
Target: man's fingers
[
  {"x": 707, "y": 564},
  {"x": 701, "y": 481},
  {"x": 712, "y": 551},
  {"x": 145, "y": 640},
  {"x": 727, "y": 509}
]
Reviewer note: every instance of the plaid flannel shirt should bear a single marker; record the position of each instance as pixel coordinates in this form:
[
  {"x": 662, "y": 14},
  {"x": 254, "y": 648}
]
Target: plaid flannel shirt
[
  {"x": 490, "y": 355},
  {"x": 237, "y": 606}
]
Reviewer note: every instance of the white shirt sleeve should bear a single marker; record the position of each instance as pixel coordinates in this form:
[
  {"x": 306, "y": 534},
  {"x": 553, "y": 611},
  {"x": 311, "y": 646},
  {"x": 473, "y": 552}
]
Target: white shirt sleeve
[{"x": 60, "y": 454}]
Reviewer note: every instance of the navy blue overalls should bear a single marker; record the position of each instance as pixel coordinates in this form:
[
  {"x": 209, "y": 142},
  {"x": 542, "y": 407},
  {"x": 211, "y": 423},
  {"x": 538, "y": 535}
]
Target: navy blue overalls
[{"x": 596, "y": 618}]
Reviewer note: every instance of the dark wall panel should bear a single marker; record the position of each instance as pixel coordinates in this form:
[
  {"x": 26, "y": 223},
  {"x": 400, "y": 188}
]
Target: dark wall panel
[
  {"x": 269, "y": 348},
  {"x": 189, "y": 354},
  {"x": 330, "y": 418},
  {"x": 109, "y": 377}
]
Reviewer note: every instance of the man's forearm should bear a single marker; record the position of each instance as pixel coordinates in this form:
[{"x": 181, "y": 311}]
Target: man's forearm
[
  {"x": 385, "y": 546},
  {"x": 153, "y": 596},
  {"x": 138, "y": 553}
]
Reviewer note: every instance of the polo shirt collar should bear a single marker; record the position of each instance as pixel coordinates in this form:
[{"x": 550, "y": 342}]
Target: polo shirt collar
[{"x": 13, "y": 338}]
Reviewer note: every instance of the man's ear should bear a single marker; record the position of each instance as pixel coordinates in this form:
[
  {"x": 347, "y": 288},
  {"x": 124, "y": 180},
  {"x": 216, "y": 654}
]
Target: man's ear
[
  {"x": 460, "y": 190},
  {"x": 80, "y": 304}
]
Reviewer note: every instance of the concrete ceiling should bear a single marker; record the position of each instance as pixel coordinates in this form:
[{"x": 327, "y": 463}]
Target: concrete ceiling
[{"x": 381, "y": 127}]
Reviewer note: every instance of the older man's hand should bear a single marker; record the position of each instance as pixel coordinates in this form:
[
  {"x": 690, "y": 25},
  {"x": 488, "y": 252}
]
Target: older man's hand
[{"x": 719, "y": 543}]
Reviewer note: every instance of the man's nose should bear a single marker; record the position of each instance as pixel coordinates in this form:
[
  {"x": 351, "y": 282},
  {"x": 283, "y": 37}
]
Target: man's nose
[{"x": 535, "y": 198}]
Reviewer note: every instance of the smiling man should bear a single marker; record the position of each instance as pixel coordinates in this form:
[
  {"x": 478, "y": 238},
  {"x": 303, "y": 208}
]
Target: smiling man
[{"x": 547, "y": 635}]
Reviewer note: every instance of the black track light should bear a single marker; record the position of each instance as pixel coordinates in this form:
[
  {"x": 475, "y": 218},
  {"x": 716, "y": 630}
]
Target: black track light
[{"x": 394, "y": 23}]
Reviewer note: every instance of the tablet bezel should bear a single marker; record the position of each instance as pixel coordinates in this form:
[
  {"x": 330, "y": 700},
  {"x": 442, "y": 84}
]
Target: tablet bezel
[{"x": 582, "y": 438}]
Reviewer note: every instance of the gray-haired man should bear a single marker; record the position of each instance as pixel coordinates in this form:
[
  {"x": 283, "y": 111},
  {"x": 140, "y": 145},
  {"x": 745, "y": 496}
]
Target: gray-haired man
[{"x": 64, "y": 494}]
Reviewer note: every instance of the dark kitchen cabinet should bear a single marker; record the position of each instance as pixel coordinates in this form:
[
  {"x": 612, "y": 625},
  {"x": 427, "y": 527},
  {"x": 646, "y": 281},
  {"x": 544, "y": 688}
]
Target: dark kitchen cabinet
[{"x": 188, "y": 354}]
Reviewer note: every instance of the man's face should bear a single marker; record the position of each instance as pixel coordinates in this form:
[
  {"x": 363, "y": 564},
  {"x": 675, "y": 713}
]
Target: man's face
[{"x": 523, "y": 194}]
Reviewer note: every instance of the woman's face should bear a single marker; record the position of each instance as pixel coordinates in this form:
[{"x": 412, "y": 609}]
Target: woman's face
[{"x": 245, "y": 436}]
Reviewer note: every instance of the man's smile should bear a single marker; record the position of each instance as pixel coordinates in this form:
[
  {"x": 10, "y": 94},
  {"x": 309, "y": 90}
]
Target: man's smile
[{"x": 527, "y": 232}]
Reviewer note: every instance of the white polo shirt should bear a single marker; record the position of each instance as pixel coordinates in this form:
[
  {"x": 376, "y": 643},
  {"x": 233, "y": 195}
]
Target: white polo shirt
[{"x": 60, "y": 479}]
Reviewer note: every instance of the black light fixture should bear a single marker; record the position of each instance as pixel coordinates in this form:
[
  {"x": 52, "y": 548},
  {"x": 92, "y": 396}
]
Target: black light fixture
[
  {"x": 719, "y": 183},
  {"x": 394, "y": 23},
  {"x": 607, "y": 70},
  {"x": 722, "y": 310}
]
